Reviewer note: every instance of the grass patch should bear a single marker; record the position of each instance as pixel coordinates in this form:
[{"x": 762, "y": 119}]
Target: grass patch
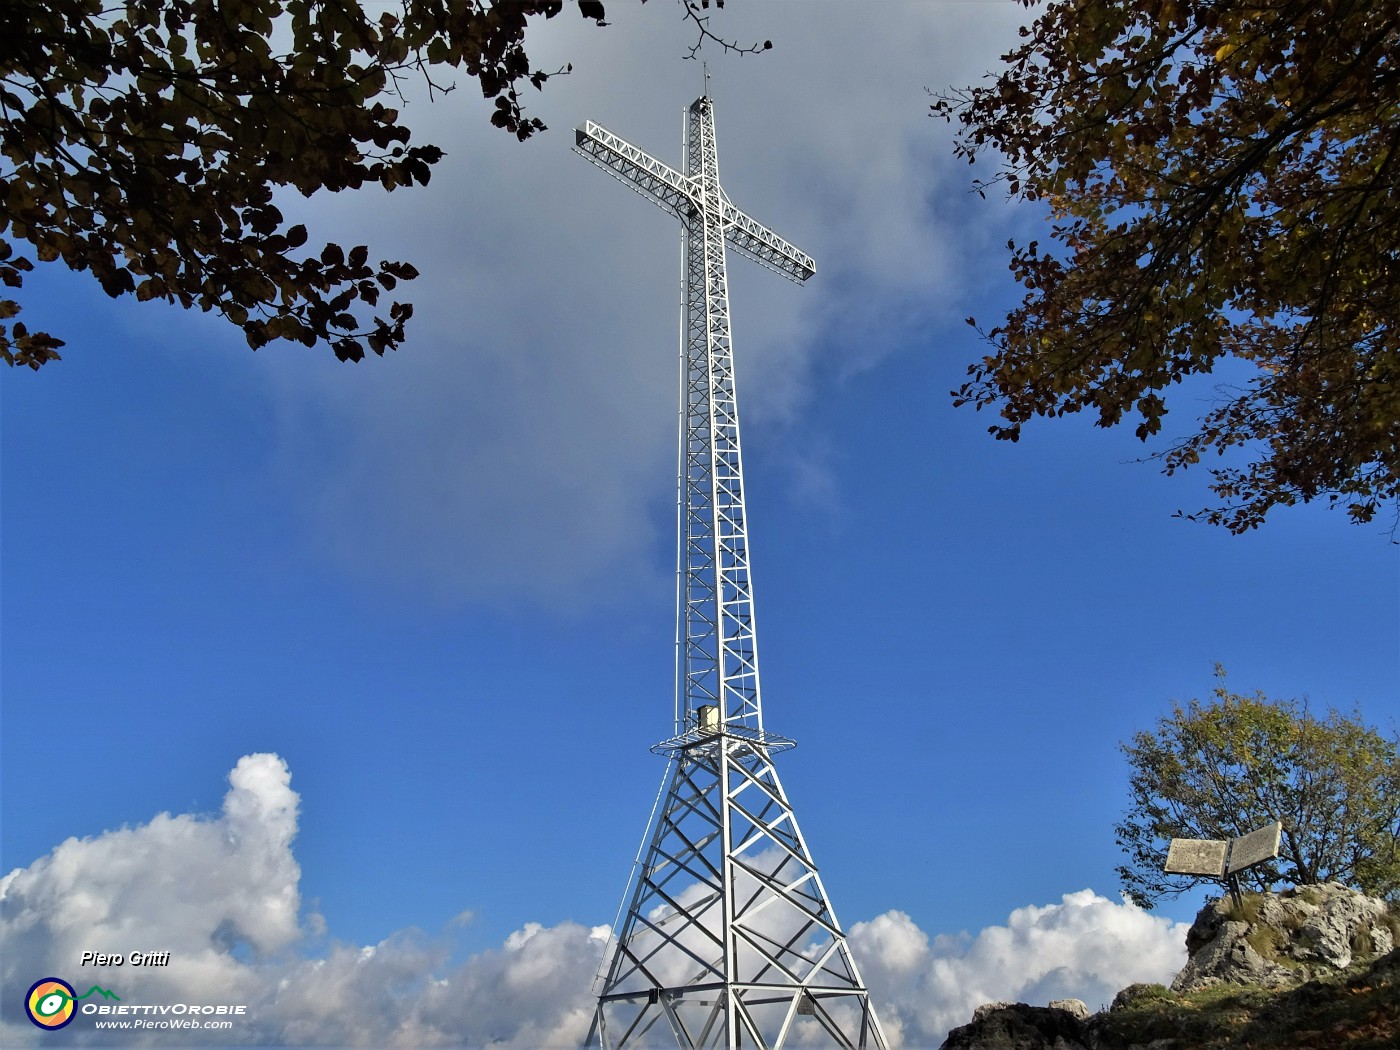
[
  {"x": 1247, "y": 910},
  {"x": 1362, "y": 944},
  {"x": 1356, "y": 1009},
  {"x": 1391, "y": 921},
  {"x": 1136, "y": 995},
  {"x": 1267, "y": 941}
]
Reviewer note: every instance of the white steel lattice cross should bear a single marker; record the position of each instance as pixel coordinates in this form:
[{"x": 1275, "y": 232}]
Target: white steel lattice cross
[{"x": 728, "y": 939}]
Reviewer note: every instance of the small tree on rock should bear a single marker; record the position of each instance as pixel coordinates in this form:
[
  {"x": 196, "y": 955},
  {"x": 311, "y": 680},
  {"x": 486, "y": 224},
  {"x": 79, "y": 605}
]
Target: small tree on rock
[{"x": 1218, "y": 770}]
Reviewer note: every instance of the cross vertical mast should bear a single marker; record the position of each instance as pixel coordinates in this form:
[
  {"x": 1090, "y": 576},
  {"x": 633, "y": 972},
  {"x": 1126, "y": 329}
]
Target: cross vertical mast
[
  {"x": 721, "y": 655},
  {"x": 729, "y": 938}
]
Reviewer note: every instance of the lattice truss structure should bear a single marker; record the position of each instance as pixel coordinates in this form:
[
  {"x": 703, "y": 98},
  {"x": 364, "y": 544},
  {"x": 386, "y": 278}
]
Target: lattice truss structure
[{"x": 729, "y": 939}]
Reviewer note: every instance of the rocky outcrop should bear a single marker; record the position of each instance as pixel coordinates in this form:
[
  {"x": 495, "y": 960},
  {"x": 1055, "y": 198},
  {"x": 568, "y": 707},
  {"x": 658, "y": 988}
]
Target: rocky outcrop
[
  {"x": 1281, "y": 941},
  {"x": 1016, "y": 1026},
  {"x": 1276, "y": 940},
  {"x": 1227, "y": 956}
]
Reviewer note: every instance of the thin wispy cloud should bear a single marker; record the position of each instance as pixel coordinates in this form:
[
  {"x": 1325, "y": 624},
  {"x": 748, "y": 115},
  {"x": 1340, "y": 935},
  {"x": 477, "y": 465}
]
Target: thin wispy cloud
[{"x": 521, "y": 448}]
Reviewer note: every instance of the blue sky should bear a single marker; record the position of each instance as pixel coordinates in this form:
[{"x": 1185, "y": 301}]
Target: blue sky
[{"x": 438, "y": 586}]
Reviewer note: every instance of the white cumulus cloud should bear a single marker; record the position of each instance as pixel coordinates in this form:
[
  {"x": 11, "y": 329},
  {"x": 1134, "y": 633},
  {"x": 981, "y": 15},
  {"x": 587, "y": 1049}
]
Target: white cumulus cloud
[
  {"x": 206, "y": 890},
  {"x": 1085, "y": 947},
  {"x": 222, "y": 894}
]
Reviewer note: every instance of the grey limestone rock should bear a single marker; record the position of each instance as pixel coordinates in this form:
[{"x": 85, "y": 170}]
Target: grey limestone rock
[
  {"x": 1078, "y": 1007},
  {"x": 1339, "y": 919},
  {"x": 1284, "y": 938},
  {"x": 990, "y": 1008},
  {"x": 1229, "y": 958}
]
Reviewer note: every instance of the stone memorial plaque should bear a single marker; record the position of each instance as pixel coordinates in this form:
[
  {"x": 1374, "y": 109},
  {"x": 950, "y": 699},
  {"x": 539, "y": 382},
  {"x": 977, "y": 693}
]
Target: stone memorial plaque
[
  {"x": 1196, "y": 857},
  {"x": 1255, "y": 848}
]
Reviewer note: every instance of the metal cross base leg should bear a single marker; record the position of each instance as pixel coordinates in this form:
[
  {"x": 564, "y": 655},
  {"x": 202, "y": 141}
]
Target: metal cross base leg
[{"x": 729, "y": 939}]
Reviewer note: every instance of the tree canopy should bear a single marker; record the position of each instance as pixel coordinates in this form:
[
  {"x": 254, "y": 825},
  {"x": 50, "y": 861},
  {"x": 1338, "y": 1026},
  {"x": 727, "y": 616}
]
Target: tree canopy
[
  {"x": 1219, "y": 770},
  {"x": 1224, "y": 181},
  {"x": 143, "y": 141}
]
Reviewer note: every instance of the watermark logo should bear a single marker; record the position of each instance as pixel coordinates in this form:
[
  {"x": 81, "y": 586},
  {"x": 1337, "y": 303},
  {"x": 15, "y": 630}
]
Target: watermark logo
[{"x": 50, "y": 1003}]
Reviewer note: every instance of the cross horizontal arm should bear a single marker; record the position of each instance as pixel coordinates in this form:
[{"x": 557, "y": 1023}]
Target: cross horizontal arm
[
  {"x": 681, "y": 195},
  {"x": 757, "y": 242},
  {"x": 654, "y": 179}
]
